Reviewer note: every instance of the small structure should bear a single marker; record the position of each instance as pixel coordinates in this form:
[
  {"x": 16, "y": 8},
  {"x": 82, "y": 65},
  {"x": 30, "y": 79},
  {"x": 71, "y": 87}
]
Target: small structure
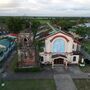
[
  {"x": 82, "y": 63},
  {"x": 6, "y": 45},
  {"x": 26, "y": 53}
]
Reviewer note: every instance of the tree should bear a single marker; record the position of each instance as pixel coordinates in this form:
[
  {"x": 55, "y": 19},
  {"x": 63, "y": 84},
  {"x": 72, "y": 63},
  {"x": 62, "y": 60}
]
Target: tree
[
  {"x": 14, "y": 24},
  {"x": 34, "y": 28},
  {"x": 55, "y": 21},
  {"x": 64, "y": 23},
  {"x": 81, "y": 21},
  {"x": 82, "y": 30}
]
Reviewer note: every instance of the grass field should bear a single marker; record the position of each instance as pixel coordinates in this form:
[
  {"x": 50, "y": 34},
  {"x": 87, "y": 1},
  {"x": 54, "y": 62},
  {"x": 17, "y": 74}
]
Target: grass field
[
  {"x": 29, "y": 85},
  {"x": 85, "y": 69},
  {"x": 82, "y": 84},
  {"x": 43, "y": 21}
]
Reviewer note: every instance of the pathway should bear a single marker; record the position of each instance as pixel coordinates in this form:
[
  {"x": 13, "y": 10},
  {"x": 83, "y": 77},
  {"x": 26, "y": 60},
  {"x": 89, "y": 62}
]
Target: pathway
[
  {"x": 64, "y": 82},
  {"x": 63, "y": 79}
]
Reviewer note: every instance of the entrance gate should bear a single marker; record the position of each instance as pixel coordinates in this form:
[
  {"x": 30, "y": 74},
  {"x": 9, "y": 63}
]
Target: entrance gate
[{"x": 58, "y": 61}]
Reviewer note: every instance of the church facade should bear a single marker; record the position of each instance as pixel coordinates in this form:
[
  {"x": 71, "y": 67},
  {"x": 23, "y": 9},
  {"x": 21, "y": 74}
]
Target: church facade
[{"x": 60, "y": 48}]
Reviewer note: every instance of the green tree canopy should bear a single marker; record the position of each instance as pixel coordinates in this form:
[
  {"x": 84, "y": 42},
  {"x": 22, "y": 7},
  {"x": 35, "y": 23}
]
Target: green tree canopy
[
  {"x": 34, "y": 26},
  {"x": 83, "y": 30},
  {"x": 14, "y": 24},
  {"x": 64, "y": 23}
]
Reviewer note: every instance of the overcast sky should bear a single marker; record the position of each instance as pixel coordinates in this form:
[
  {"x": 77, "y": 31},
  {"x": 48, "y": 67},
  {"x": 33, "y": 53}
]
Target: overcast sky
[{"x": 45, "y": 7}]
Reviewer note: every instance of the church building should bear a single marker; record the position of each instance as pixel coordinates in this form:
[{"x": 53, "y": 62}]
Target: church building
[{"x": 60, "y": 48}]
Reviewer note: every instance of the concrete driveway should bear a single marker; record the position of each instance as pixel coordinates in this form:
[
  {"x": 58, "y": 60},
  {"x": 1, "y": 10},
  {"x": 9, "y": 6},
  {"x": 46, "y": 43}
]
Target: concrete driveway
[
  {"x": 63, "y": 77},
  {"x": 64, "y": 82}
]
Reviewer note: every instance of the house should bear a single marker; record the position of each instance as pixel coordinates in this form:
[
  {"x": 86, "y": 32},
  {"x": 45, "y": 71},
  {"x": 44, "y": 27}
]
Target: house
[
  {"x": 6, "y": 46},
  {"x": 60, "y": 47},
  {"x": 84, "y": 25}
]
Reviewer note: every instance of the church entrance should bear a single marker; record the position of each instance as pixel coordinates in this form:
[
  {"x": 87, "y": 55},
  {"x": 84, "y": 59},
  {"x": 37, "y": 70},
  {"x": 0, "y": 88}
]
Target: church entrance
[{"x": 58, "y": 61}]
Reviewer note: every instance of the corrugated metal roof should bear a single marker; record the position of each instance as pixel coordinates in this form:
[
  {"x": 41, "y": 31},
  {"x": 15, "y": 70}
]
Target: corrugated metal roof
[{"x": 5, "y": 43}]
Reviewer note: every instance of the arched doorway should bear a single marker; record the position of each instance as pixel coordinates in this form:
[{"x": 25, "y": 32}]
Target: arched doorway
[{"x": 58, "y": 61}]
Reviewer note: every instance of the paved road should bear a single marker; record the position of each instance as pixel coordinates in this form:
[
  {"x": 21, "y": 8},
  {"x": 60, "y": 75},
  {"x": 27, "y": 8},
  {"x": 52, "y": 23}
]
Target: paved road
[{"x": 46, "y": 74}]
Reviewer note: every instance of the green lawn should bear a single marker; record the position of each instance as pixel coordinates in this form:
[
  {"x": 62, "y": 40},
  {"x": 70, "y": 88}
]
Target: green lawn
[
  {"x": 82, "y": 84},
  {"x": 43, "y": 21},
  {"x": 85, "y": 69},
  {"x": 39, "y": 84}
]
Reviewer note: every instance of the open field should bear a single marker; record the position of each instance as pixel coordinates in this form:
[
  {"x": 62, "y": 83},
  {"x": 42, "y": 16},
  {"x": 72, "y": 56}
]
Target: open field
[
  {"x": 42, "y": 21},
  {"x": 38, "y": 84}
]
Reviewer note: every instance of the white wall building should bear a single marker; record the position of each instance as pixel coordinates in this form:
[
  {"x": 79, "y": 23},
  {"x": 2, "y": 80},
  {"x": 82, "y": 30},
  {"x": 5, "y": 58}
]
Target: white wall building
[{"x": 59, "y": 48}]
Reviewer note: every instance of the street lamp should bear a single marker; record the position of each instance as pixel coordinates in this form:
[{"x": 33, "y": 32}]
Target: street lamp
[{"x": 2, "y": 78}]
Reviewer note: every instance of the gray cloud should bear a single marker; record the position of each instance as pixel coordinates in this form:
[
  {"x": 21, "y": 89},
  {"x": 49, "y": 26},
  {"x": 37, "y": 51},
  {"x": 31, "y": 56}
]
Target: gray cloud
[
  {"x": 9, "y": 4},
  {"x": 46, "y": 7}
]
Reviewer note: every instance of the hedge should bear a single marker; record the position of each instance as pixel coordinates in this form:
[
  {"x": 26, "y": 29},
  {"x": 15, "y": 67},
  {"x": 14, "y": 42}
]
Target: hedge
[{"x": 32, "y": 69}]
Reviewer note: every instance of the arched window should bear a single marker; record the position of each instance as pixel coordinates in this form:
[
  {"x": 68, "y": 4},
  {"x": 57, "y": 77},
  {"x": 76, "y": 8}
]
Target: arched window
[
  {"x": 74, "y": 58},
  {"x": 58, "y": 46},
  {"x": 41, "y": 58}
]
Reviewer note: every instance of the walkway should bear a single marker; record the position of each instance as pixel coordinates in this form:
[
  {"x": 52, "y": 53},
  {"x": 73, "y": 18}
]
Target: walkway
[
  {"x": 63, "y": 79},
  {"x": 64, "y": 82}
]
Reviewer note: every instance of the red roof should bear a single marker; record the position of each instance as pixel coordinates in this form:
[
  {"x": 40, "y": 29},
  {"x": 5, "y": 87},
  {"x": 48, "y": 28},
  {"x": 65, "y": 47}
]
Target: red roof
[
  {"x": 12, "y": 34},
  {"x": 62, "y": 33},
  {"x": 76, "y": 41}
]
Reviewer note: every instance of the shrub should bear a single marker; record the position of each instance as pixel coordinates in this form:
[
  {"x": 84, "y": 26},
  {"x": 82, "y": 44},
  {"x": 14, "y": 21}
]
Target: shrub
[
  {"x": 87, "y": 61},
  {"x": 16, "y": 68}
]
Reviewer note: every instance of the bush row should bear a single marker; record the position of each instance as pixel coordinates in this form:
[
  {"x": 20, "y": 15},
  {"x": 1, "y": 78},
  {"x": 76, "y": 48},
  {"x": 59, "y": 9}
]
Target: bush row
[{"x": 31, "y": 69}]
